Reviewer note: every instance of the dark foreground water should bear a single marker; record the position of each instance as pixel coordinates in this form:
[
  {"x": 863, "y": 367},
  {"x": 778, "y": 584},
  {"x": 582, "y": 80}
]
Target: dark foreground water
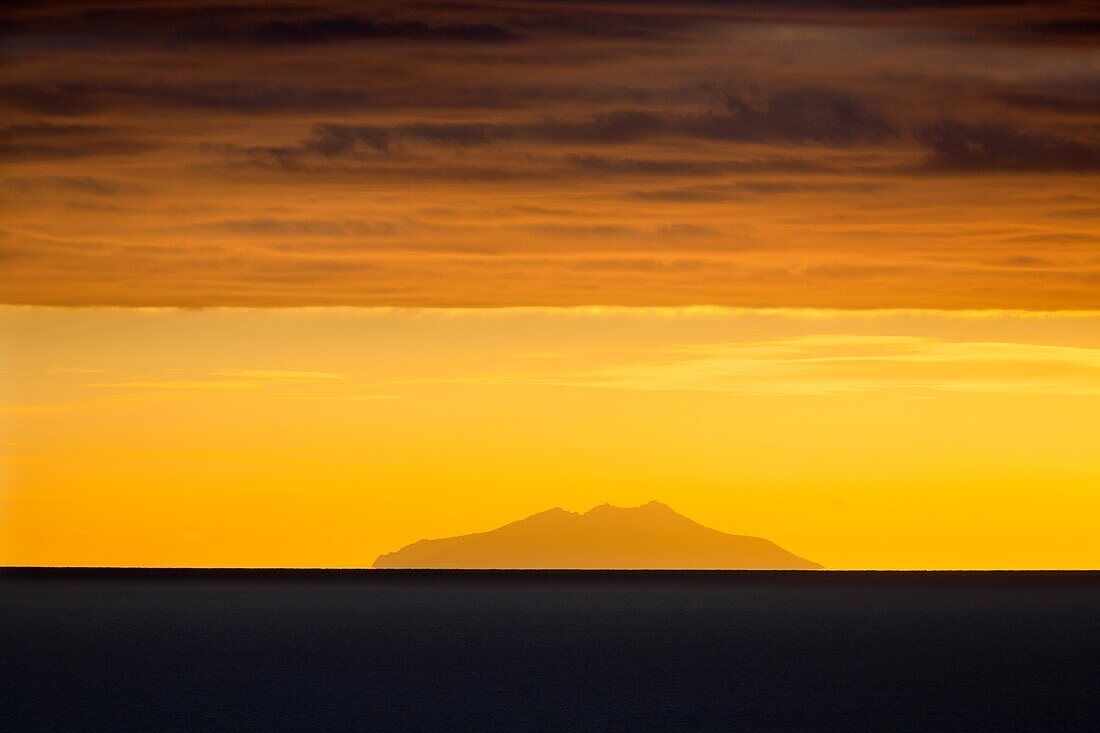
[{"x": 446, "y": 650}]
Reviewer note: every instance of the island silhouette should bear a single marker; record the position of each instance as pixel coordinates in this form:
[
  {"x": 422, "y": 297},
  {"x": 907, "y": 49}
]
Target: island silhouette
[{"x": 647, "y": 537}]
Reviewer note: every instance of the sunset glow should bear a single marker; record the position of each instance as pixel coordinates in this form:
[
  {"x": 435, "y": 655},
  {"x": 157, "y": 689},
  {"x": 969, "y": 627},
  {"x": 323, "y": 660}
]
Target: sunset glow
[
  {"x": 290, "y": 284},
  {"x": 319, "y": 437}
]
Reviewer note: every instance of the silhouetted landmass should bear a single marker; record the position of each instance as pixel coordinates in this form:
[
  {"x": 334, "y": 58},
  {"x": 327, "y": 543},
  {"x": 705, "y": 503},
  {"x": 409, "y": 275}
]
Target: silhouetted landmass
[{"x": 652, "y": 536}]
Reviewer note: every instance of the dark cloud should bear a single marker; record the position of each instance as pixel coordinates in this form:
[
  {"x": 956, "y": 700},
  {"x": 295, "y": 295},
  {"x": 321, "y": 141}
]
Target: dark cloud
[
  {"x": 783, "y": 187},
  {"x": 272, "y": 227},
  {"x": 687, "y": 194},
  {"x": 1083, "y": 27},
  {"x": 254, "y": 96},
  {"x": 1082, "y": 98},
  {"x": 614, "y": 127},
  {"x": 341, "y": 140},
  {"x": 647, "y": 22},
  {"x": 366, "y": 152},
  {"x": 800, "y": 116},
  {"x": 608, "y": 128},
  {"x": 597, "y": 164},
  {"x": 272, "y": 25},
  {"x": 314, "y": 23},
  {"x": 62, "y": 100},
  {"x": 807, "y": 116},
  {"x": 726, "y": 192},
  {"x": 44, "y": 141},
  {"x": 663, "y": 232},
  {"x": 957, "y": 146},
  {"x": 796, "y": 116},
  {"x": 75, "y": 100},
  {"x": 357, "y": 28},
  {"x": 75, "y": 184},
  {"x": 78, "y": 26},
  {"x": 454, "y": 134}
]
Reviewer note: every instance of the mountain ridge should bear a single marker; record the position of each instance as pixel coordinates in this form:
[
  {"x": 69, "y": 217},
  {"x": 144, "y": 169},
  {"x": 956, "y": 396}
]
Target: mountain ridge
[{"x": 650, "y": 536}]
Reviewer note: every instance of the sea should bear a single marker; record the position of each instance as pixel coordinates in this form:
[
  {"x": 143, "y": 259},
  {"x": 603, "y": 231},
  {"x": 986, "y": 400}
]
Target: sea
[{"x": 381, "y": 650}]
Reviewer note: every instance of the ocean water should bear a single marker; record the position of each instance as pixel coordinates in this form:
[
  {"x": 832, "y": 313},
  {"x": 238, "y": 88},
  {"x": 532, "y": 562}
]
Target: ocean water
[{"x": 561, "y": 651}]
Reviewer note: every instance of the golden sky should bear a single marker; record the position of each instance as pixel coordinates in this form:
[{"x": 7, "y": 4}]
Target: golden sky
[
  {"x": 324, "y": 437},
  {"x": 299, "y": 283}
]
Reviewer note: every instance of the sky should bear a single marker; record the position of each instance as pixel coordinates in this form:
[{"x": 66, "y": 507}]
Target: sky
[{"x": 297, "y": 283}]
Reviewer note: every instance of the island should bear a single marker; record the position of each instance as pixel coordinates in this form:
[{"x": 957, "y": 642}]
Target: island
[{"x": 648, "y": 537}]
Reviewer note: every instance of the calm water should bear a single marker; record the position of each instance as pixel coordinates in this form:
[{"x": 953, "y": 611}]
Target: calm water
[{"x": 438, "y": 650}]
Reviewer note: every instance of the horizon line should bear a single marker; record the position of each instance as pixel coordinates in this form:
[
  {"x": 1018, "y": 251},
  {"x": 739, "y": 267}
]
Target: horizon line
[
  {"x": 359, "y": 568},
  {"x": 589, "y": 309}
]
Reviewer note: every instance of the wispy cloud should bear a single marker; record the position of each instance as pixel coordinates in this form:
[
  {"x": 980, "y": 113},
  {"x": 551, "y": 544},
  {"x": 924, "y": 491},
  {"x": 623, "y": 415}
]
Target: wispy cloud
[
  {"x": 838, "y": 364},
  {"x": 229, "y": 379},
  {"x": 172, "y": 384},
  {"x": 269, "y": 375},
  {"x": 77, "y": 370}
]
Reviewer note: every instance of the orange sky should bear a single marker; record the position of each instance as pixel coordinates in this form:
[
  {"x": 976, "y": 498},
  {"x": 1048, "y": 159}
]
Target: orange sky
[
  {"x": 517, "y": 153},
  {"x": 297, "y": 283},
  {"x": 326, "y": 437}
]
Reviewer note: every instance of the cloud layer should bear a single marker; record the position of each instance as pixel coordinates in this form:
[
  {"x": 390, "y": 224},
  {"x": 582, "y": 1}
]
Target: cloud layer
[{"x": 849, "y": 154}]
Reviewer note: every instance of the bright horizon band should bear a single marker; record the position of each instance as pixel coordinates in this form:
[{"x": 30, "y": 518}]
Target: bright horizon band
[{"x": 322, "y": 437}]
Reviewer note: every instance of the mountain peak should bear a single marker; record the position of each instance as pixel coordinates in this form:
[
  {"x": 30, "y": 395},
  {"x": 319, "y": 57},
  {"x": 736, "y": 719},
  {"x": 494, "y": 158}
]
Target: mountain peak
[
  {"x": 555, "y": 511},
  {"x": 650, "y": 536},
  {"x": 649, "y": 506}
]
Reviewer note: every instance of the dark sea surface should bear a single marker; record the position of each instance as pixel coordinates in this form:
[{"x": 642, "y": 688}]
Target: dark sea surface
[{"x": 563, "y": 651}]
